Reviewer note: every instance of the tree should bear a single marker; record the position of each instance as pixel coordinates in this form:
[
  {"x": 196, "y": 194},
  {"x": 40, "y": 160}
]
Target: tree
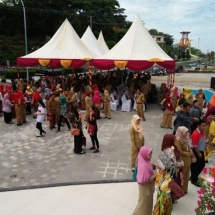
[
  {"x": 45, "y": 17},
  {"x": 187, "y": 54}
]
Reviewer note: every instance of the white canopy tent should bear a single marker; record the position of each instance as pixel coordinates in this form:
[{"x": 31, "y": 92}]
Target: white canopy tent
[
  {"x": 102, "y": 42},
  {"x": 92, "y": 43},
  {"x": 137, "y": 50},
  {"x": 65, "y": 49}
]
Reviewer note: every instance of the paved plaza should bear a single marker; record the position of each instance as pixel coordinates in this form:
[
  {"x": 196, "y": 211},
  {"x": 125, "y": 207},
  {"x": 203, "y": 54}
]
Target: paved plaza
[{"x": 27, "y": 160}]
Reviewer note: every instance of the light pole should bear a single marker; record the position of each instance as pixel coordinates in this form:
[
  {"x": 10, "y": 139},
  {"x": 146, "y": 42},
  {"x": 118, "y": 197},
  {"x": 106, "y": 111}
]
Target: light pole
[
  {"x": 208, "y": 53},
  {"x": 25, "y": 30},
  {"x": 177, "y": 48},
  {"x": 91, "y": 23},
  {"x": 198, "y": 42}
]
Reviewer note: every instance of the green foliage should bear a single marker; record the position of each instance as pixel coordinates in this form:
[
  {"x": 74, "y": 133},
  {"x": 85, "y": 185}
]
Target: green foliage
[
  {"x": 45, "y": 17},
  {"x": 187, "y": 54},
  {"x": 13, "y": 73}
]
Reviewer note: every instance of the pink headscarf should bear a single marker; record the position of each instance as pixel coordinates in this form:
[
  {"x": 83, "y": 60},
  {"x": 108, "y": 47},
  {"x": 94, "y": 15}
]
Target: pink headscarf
[
  {"x": 144, "y": 167},
  {"x": 96, "y": 98},
  {"x": 176, "y": 92}
]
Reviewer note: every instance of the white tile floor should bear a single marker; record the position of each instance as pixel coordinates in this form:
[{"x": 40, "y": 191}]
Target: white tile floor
[{"x": 100, "y": 199}]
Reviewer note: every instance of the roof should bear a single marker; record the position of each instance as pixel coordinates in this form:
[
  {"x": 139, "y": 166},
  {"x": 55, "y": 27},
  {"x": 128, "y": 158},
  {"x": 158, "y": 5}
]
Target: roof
[
  {"x": 92, "y": 43},
  {"x": 64, "y": 45},
  {"x": 102, "y": 42},
  {"x": 136, "y": 45}
]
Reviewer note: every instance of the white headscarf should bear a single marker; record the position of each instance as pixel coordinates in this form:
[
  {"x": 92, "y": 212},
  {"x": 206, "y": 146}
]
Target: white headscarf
[
  {"x": 182, "y": 133},
  {"x": 137, "y": 127}
]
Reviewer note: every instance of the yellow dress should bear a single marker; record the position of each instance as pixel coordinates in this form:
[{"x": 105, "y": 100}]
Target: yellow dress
[
  {"x": 163, "y": 205},
  {"x": 211, "y": 135}
]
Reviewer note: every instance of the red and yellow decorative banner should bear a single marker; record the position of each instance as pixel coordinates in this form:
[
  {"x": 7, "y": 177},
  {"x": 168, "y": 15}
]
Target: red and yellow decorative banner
[
  {"x": 120, "y": 64},
  {"x": 155, "y": 60},
  {"x": 86, "y": 59},
  {"x": 44, "y": 62},
  {"x": 66, "y": 63}
]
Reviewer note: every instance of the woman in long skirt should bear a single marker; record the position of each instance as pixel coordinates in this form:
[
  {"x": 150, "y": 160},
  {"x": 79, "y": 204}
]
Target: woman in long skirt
[
  {"x": 145, "y": 180},
  {"x": 167, "y": 114},
  {"x": 76, "y": 123}
]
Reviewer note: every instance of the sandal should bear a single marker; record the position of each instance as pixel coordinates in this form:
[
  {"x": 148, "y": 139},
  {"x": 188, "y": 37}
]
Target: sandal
[
  {"x": 96, "y": 151},
  {"x": 92, "y": 148}
]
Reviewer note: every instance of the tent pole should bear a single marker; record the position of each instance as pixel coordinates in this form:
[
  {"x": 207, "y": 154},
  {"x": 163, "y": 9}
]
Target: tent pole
[{"x": 90, "y": 77}]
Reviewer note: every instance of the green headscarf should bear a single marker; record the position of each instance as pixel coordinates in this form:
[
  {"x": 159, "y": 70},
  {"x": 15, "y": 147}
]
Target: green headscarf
[{"x": 63, "y": 101}]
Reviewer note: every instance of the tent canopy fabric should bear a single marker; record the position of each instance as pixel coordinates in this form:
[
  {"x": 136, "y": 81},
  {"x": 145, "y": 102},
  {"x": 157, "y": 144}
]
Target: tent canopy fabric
[
  {"x": 102, "y": 42},
  {"x": 92, "y": 43},
  {"x": 65, "y": 49},
  {"x": 137, "y": 50}
]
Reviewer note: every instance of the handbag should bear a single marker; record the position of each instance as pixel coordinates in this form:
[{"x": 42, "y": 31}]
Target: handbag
[
  {"x": 134, "y": 174},
  {"x": 49, "y": 118},
  {"x": 163, "y": 107},
  {"x": 84, "y": 141},
  {"x": 75, "y": 131},
  {"x": 91, "y": 130}
]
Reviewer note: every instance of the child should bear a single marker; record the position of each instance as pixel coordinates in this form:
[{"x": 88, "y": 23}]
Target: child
[
  {"x": 167, "y": 187},
  {"x": 40, "y": 117}
]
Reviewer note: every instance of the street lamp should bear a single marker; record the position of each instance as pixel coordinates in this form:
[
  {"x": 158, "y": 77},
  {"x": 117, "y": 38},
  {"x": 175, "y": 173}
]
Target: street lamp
[
  {"x": 25, "y": 30},
  {"x": 198, "y": 42}
]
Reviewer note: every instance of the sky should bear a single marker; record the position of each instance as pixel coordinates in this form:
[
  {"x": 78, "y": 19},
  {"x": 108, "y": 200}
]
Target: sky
[{"x": 174, "y": 16}]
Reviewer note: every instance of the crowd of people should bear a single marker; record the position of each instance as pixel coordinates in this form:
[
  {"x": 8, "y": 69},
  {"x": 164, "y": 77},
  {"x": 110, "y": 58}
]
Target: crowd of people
[
  {"x": 60, "y": 100},
  {"x": 183, "y": 153}
]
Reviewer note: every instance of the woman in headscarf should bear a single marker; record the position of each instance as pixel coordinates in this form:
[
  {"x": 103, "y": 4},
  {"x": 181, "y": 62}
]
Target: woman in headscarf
[
  {"x": 162, "y": 92},
  {"x": 7, "y": 109},
  {"x": 174, "y": 96},
  {"x": 29, "y": 94},
  {"x": 188, "y": 95},
  {"x": 137, "y": 139},
  {"x": 18, "y": 108},
  {"x": 208, "y": 113},
  {"x": 97, "y": 102},
  {"x": 145, "y": 180},
  {"x": 167, "y": 114},
  {"x": 212, "y": 101},
  {"x": 93, "y": 130},
  {"x": 210, "y": 135},
  {"x": 63, "y": 113},
  {"x": 181, "y": 99},
  {"x": 168, "y": 145},
  {"x": 35, "y": 99},
  {"x": 23, "y": 106},
  {"x": 82, "y": 96},
  {"x": 76, "y": 123},
  {"x": 182, "y": 142},
  {"x": 200, "y": 97},
  {"x": 106, "y": 101},
  {"x": 88, "y": 102}
]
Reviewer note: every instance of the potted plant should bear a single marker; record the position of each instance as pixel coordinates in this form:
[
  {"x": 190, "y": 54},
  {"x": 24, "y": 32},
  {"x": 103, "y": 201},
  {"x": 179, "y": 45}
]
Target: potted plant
[{"x": 206, "y": 194}]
